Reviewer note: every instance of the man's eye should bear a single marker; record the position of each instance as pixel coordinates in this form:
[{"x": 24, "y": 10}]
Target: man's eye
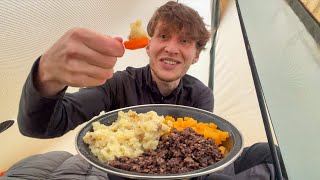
[
  {"x": 185, "y": 41},
  {"x": 162, "y": 36}
]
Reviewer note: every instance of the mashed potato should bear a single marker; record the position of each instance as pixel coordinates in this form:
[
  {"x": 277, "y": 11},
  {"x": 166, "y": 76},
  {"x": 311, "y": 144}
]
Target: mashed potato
[
  {"x": 129, "y": 136},
  {"x": 136, "y": 30}
]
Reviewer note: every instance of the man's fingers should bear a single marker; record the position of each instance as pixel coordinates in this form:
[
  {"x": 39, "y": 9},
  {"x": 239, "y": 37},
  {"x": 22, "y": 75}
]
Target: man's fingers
[
  {"x": 97, "y": 72},
  {"x": 119, "y": 39},
  {"x": 83, "y": 80},
  {"x": 92, "y": 57},
  {"x": 77, "y": 67},
  {"x": 99, "y": 42}
]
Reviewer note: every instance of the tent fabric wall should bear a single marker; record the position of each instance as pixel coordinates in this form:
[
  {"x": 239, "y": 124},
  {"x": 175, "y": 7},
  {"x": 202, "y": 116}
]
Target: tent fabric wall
[
  {"x": 234, "y": 91},
  {"x": 287, "y": 58},
  {"x": 28, "y": 28}
]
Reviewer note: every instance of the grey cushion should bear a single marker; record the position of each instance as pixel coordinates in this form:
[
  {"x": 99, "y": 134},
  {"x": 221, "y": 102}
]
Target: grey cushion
[{"x": 54, "y": 165}]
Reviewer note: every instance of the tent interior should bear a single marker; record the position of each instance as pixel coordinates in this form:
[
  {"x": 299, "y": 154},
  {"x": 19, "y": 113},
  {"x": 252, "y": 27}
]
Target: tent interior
[{"x": 29, "y": 28}]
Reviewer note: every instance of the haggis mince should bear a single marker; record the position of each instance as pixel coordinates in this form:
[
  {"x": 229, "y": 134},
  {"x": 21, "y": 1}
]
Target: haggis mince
[{"x": 182, "y": 151}]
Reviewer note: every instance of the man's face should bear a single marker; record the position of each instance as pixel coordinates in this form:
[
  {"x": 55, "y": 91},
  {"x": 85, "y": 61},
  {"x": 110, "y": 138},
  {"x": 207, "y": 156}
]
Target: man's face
[{"x": 171, "y": 54}]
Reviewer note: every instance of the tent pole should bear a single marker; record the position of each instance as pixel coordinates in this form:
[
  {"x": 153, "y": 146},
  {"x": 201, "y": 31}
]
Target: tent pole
[{"x": 215, "y": 4}]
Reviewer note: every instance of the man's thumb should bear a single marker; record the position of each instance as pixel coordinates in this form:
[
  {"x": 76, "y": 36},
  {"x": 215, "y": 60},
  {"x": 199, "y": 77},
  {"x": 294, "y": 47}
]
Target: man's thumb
[{"x": 119, "y": 39}]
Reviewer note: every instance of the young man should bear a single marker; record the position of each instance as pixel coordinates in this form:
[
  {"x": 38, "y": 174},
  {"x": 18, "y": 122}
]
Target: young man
[{"x": 84, "y": 58}]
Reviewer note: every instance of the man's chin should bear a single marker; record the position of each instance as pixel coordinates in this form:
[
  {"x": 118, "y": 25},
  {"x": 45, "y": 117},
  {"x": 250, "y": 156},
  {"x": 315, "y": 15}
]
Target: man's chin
[
  {"x": 168, "y": 79},
  {"x": 166, "y": 76}
]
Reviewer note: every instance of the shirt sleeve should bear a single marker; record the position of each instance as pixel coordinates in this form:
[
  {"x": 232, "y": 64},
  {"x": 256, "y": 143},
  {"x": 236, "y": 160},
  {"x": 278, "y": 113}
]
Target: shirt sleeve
[{"x": 48, "y": 117}]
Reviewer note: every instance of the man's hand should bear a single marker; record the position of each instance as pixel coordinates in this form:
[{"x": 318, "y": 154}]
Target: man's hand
[{"x": 80, "y": 58}]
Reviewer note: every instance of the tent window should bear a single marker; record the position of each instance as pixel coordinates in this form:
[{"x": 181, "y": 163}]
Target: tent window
[
  {"x": 308, "y": 12},
  {"x": 313, "y": 7}
]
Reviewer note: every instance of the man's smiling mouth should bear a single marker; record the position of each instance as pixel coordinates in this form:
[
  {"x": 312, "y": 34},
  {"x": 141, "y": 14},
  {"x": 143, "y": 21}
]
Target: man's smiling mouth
[{"x": 170, "y": 61}]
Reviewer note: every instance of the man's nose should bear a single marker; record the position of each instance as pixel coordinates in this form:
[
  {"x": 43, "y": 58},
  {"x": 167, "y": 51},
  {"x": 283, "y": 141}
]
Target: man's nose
[{"x": 172, "y": 46}]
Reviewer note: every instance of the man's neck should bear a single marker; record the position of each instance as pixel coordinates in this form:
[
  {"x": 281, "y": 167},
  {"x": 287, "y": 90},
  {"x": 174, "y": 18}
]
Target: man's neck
[{"x": 164, "y": 87}]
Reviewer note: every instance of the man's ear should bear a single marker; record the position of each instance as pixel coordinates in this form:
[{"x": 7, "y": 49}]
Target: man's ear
[
  {"x": 196, "y": 58},
  {"x": 148, "y": 50}
]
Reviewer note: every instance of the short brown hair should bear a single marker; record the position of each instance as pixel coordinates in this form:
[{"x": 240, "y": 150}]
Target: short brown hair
[{"x": 177, "y": 17}]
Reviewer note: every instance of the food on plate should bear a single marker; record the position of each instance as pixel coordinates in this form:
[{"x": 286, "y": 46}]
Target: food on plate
[
  {"x": 182, "y": 151},
  {"x": 137, "y": 38},
  {"x": 129, "y": 136},
  {"x": 149, "y": 143},
  {"x": 208, "y": 130}
]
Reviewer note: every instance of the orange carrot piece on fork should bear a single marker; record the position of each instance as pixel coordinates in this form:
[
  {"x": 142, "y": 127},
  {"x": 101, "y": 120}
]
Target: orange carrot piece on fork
[{"x": 136, "y": 43}]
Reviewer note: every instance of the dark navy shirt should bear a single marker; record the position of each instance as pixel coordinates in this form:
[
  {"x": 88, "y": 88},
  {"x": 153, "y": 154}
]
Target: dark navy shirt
[{"x": 47, "y": 117}]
